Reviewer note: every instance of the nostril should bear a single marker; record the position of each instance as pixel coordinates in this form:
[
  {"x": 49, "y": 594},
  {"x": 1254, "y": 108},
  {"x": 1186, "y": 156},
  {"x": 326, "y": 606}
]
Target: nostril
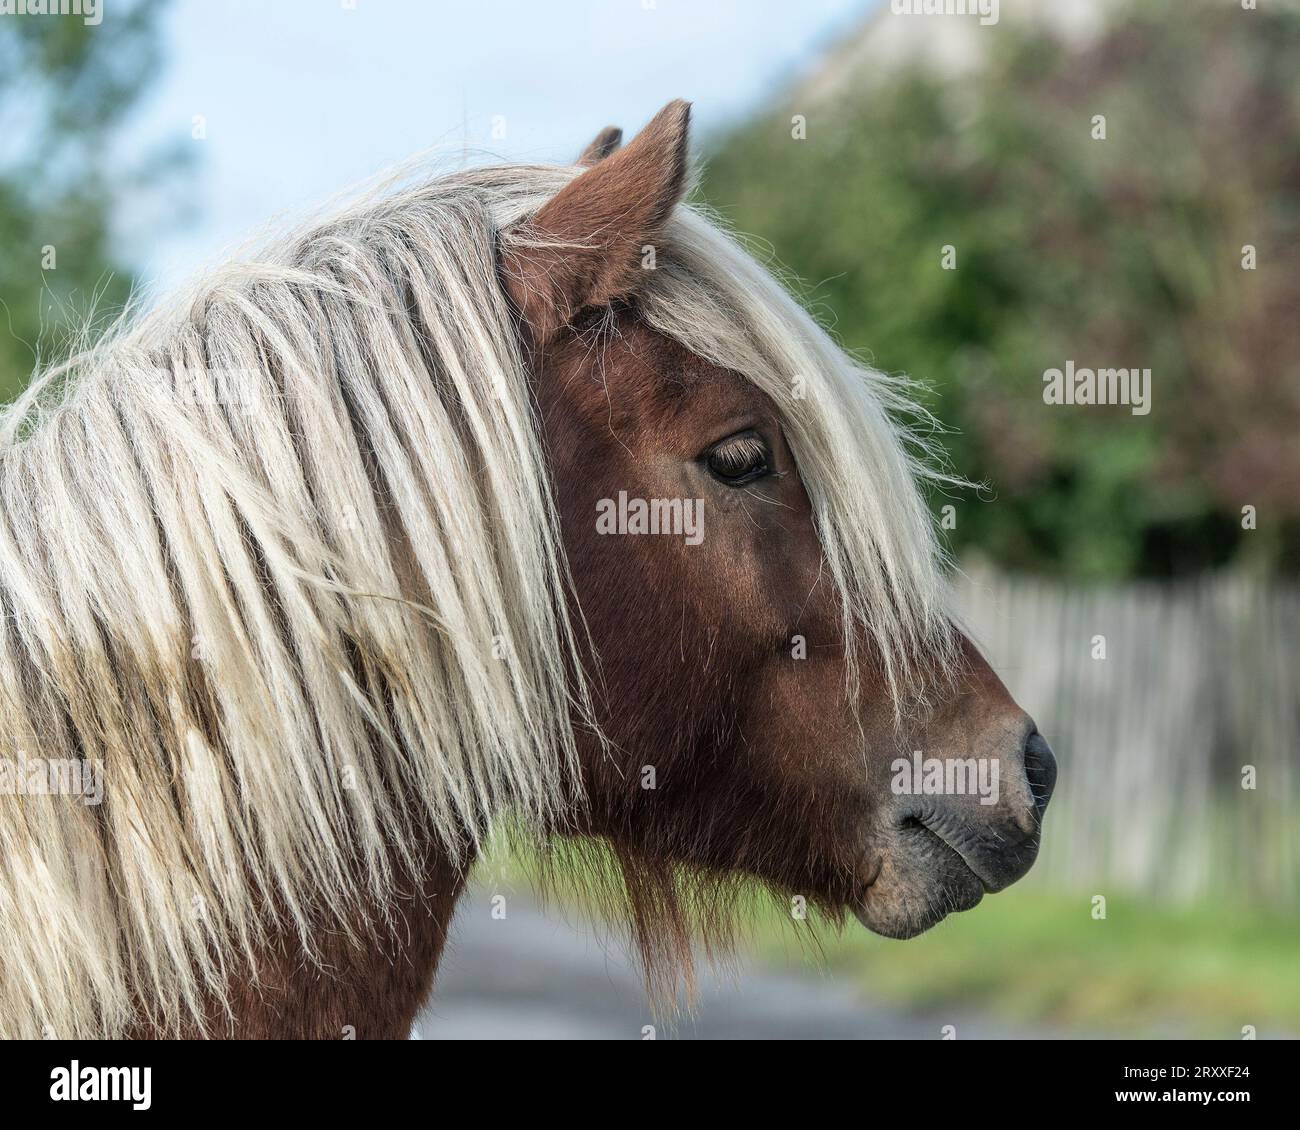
[{"x": 1040, "y": 769}]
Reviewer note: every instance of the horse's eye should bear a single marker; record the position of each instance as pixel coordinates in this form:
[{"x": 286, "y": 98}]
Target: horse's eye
[{"x": 739, "y": 459}]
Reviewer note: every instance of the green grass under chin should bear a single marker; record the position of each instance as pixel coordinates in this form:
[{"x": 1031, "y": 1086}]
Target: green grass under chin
[
  {"x": 1027, "y": 956},
  {"x": 1032, "y": 957}
]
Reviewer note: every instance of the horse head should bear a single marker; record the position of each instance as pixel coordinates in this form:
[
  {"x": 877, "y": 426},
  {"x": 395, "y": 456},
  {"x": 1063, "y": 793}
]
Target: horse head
[{"x": 780, "y": 691}]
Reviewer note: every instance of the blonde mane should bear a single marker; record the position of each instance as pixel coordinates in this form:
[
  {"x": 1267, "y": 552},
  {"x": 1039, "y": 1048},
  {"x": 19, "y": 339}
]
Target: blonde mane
[{"x": 283, "y": 560}]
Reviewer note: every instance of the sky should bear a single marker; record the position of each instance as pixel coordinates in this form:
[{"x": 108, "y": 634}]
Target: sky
[{"x": 302, "y": 98}]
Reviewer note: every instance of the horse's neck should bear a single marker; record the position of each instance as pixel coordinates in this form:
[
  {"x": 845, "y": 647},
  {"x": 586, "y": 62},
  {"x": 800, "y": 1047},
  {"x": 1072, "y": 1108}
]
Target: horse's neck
[
  {"x": 368, "y": 986},
  {"x": 377, "y": 988}
]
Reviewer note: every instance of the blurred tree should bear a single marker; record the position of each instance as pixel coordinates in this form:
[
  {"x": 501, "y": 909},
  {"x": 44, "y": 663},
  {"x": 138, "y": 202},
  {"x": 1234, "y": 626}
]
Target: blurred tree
[
  {"x": 65, "y": 89},
  {"x": 1126, "y": 252}
]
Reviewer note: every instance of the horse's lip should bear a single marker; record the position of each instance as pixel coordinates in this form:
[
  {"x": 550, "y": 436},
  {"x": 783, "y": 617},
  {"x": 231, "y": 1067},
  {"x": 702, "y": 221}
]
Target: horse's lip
[
  {"x": 859, "y": 905},
  {"x": 957, "y": 854},
  {"x": 876, "y": 868},
  {"x": 970, "y": 855}
]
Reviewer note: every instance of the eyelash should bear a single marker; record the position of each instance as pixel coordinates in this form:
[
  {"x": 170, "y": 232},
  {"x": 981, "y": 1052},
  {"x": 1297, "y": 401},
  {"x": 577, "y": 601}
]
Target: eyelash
[{"x": 739, "y": 460}]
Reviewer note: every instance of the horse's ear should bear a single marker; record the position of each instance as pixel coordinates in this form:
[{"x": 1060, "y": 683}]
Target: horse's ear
[
  {"x": 584, "y": 246},
  {"x": 601, "y": 146}
]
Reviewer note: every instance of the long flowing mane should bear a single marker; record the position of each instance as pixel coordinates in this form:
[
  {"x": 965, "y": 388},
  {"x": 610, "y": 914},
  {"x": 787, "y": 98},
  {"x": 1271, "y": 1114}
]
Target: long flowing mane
[{"x": 282, "y": 558}]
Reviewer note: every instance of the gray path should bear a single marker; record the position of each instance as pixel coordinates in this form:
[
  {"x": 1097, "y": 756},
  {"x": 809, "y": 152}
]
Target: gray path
[{"x": 536, "y": 976}]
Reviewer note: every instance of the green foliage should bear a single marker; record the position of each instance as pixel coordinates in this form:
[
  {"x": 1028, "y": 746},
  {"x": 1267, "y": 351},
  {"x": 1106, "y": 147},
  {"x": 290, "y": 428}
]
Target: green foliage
[
  {"x": 1123, "y": 252},
  {"x": 66, "y": 88}
]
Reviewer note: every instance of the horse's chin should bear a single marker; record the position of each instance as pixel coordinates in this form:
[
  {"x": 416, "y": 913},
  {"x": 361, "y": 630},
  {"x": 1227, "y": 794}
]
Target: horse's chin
[{"x": 918, "y": 882}]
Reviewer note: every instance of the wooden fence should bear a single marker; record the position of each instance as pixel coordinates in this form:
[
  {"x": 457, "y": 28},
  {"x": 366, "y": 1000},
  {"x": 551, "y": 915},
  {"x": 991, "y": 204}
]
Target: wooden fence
[{"x": 1156, "y": 697}]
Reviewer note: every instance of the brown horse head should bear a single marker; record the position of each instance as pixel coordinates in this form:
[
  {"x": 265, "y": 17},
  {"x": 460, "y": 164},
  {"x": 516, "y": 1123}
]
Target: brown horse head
[
  {"x": 522, "y": 490},
  {"x": 758, "y": 719}
]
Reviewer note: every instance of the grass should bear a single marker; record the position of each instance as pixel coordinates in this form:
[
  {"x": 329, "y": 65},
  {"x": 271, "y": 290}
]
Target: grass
[{"x": 1030, "y": 957}]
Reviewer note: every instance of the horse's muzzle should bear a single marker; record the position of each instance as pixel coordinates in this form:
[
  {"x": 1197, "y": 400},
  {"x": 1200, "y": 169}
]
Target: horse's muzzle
[
  {"x": 942, "y": 848},
  {"x": 998, "y": 843}
]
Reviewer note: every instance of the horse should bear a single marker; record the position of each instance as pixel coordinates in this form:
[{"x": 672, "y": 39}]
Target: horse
[{"x": 305, "y": 566}]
